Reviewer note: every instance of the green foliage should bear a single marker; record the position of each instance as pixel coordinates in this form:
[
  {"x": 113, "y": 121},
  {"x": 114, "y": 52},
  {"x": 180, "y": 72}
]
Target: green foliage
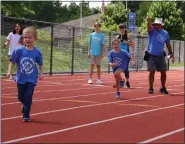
[
  {"x": 113, "y": 15},
  {"x": 171, "y": 18},
  {"x": 16, "y": 9},
  {"x": 50, "y": 11},
  {"x": 142, "y": 12}
]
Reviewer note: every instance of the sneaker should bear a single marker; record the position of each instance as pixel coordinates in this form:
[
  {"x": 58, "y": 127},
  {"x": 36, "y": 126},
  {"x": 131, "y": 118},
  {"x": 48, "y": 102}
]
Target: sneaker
[
  {"x": 163, "y": 90},
  {"x": 127, "y": 84},
  {"x": 150, "y": 90},
  {"x": 122, "y": 82},
  {"x": 90, "y": 81},
  {"x": 11, "y": 77},
  {"x": 99, "y": 82},
  {"x": 117, "y": 94},
  {"x": 26, "y": 120}
]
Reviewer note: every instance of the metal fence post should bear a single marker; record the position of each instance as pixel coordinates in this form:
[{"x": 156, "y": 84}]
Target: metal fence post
[
  {"x": 109, "y": 49},
  {"x": 51, "y": 53},
  {"x": 179, "y": 51},
  {"x": 138, "y": 37},
  {"x": 73, "y": 47}
]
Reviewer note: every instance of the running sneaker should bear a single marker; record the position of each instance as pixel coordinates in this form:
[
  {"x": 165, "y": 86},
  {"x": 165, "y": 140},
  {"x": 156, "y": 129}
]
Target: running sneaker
[
  {"x": 99, "y": 82},
  {"x": 117, "y": 94},
  {"x": 150, "y": 90},
  {"x": 163, "y": 90},
  {"x": 26, "y": 120},
  {"x": 90, "y": 81}
]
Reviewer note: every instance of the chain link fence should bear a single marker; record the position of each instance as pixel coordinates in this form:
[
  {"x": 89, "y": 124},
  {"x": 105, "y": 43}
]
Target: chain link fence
[{"x": 65, "y": 48}]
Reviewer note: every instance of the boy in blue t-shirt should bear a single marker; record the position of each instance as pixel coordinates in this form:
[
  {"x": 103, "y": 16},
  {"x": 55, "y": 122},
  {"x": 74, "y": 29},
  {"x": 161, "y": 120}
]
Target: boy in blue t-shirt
[
  {"x": 118, "y": 59},
  {"x": 26, "y": 58},
  {"x": 96, "y": 52}
]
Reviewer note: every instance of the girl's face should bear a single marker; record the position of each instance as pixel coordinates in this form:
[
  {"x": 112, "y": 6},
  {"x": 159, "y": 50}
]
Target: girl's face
[
  {"x": 17, "y": 28},
  {"x": 122, "y": 29},
  {"x": 116, "y": 45},
  {"x": 29, "y": 39}
]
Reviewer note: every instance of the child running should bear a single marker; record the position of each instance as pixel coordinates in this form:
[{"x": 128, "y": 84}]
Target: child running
[
  {"x": 118, "y": 59},
  {"x": 26, "y": 58}
]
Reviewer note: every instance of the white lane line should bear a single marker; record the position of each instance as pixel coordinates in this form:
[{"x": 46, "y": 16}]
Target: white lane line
[
  {"x": 89, "y": 124},
  {"x": 79, "y": 107},
  {"x": 162, "y": 136}
]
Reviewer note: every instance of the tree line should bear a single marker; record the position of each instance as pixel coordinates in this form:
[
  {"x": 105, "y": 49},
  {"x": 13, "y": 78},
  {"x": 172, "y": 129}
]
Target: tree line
[{"x": 172, "y": 12}]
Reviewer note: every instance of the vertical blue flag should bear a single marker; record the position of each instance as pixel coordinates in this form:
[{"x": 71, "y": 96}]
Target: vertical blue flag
[{"x": 132, "y": 21}]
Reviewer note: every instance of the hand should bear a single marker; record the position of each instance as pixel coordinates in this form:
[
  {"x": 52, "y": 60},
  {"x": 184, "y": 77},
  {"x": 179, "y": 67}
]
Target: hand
[
  {"x": 117, "y": 37},
  {"x": 171, "y": 57},
  {"x": 41, "y": 77},
  {"x": 102, "y": 56},
  {"x": 88, "y": 55},
  {"x": 133, "y": 63},
  {"x": 4, "y": 46},
  {"x": 114, "y": 64},
  {"x": 148, "y": 18}
]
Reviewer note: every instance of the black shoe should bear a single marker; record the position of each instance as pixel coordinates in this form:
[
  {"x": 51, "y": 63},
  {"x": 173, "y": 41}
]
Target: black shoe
[
  {"x": 26, "y": 120},
  {"x": 163, "y": 90},
  {"x": 127, "y": 84},
  {"x": 150, "y": 90}
]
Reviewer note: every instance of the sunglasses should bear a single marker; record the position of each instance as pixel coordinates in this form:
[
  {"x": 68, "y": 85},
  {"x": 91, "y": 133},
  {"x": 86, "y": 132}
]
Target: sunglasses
[{"x": 122, "y": 28}]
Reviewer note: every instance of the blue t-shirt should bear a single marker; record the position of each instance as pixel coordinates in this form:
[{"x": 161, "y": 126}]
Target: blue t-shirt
[
  {"x": 26, "y": 60},
  {"x": 120, "y": 58},
  {"x": 96, "y": 40},
  {"x": 156, "y": 41},
  {"x": 124, "y": 46}
]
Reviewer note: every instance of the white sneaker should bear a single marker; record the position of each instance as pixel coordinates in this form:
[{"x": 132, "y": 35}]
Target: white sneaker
[
  {"x": 99, "y": 82},
  {"x": 10, "y": 78},
  {"x": 90, "y": 81}
]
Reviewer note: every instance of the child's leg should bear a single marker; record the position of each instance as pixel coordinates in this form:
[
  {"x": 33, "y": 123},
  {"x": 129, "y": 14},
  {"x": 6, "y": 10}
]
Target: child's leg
[
  {"x": 28, "y": 99},
  {"x": 92, "y": 62},
  {"x": 117, "y": 78},
  {"x": 21, "y": 88}
]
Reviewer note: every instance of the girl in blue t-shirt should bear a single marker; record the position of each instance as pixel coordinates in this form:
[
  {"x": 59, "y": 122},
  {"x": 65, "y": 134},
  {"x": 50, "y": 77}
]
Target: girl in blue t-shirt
[
  {"x": 26, "y": 58},
  {"x": 118, "y": 59}
]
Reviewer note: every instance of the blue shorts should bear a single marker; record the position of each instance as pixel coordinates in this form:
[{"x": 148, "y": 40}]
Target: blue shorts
[{"x": 118, "y": 70}]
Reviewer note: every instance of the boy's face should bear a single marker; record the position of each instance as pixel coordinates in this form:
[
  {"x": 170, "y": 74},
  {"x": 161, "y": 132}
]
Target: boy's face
[
  {"x": 116, "y": 45},
  {"x": 28, "y": 38},
  {"x": 97, "y": 27}
]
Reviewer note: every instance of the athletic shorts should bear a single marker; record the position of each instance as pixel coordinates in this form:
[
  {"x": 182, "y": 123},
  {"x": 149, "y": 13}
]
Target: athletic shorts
[
  {"x": 156, "y": 63},
  {"x": 95, "y": 60}
]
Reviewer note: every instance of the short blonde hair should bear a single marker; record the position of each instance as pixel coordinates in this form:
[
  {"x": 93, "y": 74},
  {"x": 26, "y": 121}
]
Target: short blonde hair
[
  {"x": 115, "y": 39},
  {"x": 31, "y": 30}
]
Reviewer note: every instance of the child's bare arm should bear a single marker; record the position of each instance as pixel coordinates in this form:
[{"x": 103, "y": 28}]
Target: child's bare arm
[
  {"x": 6, "y": 43},
  {"x": 10, "y": 66},
  {"x": 41, "y": 69}
]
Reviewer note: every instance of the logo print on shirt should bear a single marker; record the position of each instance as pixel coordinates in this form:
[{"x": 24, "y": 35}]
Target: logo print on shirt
[
  {"x": 160, "y": 38},
  {"x": 117, "y": 61},
  {"x": 27, "y": 65}
]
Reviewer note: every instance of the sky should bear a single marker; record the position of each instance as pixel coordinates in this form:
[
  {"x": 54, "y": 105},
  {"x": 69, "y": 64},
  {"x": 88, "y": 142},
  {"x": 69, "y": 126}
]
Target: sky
[{"x": 92, "y": 3}]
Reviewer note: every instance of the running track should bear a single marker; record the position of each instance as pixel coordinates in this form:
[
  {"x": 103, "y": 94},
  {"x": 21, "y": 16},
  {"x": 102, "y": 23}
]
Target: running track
[{"x": 67, "y": 110}]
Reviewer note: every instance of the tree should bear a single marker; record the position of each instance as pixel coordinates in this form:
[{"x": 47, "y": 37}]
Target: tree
[
  {"x": 142, "y": 11},
  {"x": 114, "y": 14},
  {"x": 172, "y": 18},
  {"x": 16, "y": 9}
]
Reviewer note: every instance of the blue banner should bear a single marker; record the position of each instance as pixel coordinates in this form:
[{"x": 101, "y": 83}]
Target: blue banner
[{"x": 132, "y": 21}]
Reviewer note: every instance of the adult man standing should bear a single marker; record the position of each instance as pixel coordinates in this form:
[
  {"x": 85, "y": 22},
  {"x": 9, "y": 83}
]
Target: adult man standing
[{"x": 155, "y": 55}]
